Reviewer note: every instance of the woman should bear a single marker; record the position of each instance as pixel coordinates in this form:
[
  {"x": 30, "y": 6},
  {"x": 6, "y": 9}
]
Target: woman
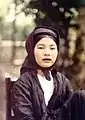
[{"x": 41, "y": 93}]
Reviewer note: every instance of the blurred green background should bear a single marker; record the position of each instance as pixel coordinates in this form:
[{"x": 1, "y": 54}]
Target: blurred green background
[{"x": 19, "y": 17}]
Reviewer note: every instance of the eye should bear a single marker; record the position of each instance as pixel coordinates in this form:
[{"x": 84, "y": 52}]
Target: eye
[
  {"x": 41, "y": 47},
  {"x": 52, "y": 48}
]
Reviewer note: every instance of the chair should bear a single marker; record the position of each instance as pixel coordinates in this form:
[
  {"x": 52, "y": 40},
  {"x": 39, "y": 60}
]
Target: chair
[{"x": 9, "y": 113}]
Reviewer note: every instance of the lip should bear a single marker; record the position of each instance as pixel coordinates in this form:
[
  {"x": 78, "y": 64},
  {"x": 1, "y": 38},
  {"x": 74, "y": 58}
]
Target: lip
[{"x": 46, "y": 59}]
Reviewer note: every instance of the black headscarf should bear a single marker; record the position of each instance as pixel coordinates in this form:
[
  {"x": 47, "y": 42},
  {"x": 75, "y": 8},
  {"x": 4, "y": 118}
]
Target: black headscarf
[{"x": 38, "y": 33}]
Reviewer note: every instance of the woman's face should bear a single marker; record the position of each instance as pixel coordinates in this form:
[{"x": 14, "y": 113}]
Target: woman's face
[{"x": 45, "y": 52}]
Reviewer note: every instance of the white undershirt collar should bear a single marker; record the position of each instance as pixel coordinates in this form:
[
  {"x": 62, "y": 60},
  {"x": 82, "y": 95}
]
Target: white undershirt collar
[{"x": 47, "y": 87}]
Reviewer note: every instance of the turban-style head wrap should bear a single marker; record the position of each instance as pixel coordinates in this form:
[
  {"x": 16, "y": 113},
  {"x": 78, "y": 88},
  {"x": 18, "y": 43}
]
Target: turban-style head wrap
[{"x": 37, "y": 34}]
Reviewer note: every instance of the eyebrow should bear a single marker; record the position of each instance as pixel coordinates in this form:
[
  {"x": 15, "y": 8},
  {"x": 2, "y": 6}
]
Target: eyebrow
[
  {"x": 40, "y": 45},
  {"x": 44, "y": 45},
  {"x": 52, "y": 45}
]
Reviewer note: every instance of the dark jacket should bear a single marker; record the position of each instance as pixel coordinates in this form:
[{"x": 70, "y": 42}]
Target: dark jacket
[{"x": 28, "y": 97}]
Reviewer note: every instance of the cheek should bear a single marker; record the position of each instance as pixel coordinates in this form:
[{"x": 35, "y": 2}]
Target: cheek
[
  {"x": 54, "y": 55},
  {"x": 37, "y": 55}
]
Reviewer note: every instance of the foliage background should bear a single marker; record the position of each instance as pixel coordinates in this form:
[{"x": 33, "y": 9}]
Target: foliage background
[{"x": 19, "y": 17}]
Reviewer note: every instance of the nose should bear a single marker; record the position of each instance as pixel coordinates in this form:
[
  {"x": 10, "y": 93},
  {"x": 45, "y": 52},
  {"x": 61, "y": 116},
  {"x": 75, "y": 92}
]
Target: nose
[{"x": 47, "y": 52}]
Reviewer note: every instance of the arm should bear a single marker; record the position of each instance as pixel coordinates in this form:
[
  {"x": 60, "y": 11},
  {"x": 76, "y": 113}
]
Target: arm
[
  {"x": 69, "y": 89},
  {"x": 21, "y": 101}
]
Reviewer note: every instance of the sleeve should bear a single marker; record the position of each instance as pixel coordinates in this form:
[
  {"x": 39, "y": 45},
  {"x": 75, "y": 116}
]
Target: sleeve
[
  {"x": 64, "y": 86},
  {"x": 22, "y": 102},
  {"x": 69, "y": 89}
]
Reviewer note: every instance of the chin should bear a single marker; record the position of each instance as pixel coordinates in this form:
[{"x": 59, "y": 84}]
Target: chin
[{"x": 46, "y": 66}]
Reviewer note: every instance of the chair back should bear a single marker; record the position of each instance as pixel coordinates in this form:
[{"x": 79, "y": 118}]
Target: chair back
[{"x": 9, "y": 113}]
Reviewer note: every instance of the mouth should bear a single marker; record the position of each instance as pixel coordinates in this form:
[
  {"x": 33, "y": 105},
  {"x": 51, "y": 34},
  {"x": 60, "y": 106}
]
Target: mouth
[{"x": 47, "y": 59}]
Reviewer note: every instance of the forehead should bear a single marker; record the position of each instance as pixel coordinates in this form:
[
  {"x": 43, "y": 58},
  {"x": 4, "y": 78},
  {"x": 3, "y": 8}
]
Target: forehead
[{"x": 46, "y": 41}]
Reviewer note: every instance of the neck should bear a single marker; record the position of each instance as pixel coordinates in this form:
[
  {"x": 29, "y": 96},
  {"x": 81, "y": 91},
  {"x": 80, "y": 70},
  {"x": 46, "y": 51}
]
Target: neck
[{"x": 40, "y": 72}]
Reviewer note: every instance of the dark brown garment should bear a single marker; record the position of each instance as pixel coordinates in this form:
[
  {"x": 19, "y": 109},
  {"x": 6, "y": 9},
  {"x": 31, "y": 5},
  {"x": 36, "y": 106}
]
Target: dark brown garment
[{"x": 28, "y": 98}]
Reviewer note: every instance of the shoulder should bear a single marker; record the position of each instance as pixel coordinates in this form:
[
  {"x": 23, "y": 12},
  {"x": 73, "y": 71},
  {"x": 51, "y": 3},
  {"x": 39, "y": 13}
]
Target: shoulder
[
  {"x": 61, "y": 77},
  {"x": 25, "y": 80},
  {"x": 22, "y": 87},
  {"x": 63, "y": 80}
]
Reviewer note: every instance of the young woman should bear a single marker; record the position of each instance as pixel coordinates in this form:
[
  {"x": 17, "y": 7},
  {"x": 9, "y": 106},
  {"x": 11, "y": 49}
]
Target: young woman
[{"x": 42, "y": 93}]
